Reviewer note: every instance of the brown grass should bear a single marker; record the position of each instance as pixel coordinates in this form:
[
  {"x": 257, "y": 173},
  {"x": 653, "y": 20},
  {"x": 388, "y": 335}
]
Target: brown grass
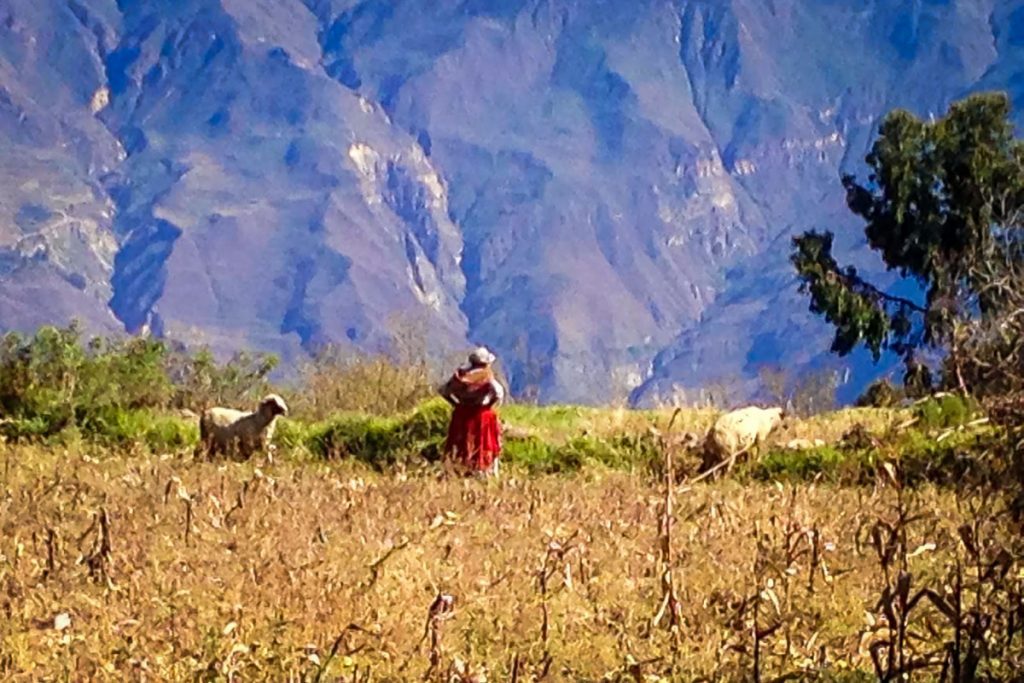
[{"x": 307, "y": 570}]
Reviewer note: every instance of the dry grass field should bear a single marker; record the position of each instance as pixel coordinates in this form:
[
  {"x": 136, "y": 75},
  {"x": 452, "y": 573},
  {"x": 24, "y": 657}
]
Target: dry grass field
[
  {"x": 869, "y": 550},
  {"x": 143, "y": 567}
]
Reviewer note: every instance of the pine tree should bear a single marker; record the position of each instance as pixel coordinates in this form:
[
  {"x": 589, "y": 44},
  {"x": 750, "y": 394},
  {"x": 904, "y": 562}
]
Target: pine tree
[{"x": 943, "y": 206}]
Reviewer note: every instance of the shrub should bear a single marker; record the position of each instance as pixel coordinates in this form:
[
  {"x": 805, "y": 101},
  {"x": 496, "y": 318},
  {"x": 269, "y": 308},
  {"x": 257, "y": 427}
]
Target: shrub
[
  {"x": 52, "y": 381},
  {"x": 429, "y": 421},
  {"x": 917, "y": 380},
  {"x": 370, "y": 439},
  {"x": 392, "y": 379},
  {"x": 294, "y": 435},
  {"x": 27, "y": 428},
  {"x": 112, "y": 390},
  {"x": 338, "y": 379},
  {"x": 921, "y": 457},
  {"x": 201, "y": 382},
  {"x": 945, "y": 411},
  {"x": 158, "y": 432},
  {"x": 382, "y": 441},
  {"x": 636, "y": 452},
  {"x": 832, "y": 463},
  {"x": 530, "y": 453},
  {"x": 807, "y": 394},
  {"x": 880, "y": 394},
  {"x": 815, "y": 392},
  {"x": 623, "y": 452}
]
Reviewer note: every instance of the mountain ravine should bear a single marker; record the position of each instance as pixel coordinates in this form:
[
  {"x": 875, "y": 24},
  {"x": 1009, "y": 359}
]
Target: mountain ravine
[{"x": 602, "y": 191}]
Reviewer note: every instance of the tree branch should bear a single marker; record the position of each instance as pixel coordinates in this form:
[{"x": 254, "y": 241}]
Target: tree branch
[{"x": 855, "y": 282}]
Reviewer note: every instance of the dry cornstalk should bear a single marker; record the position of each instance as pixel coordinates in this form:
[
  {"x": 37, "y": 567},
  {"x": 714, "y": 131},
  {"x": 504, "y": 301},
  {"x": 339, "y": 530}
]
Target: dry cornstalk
[
  {"x": 554, "y": 554},
  {"x": 52, "y": 543},
  {"x": 670, "y": 601},
  {"x": 98, "y": 560},
  {"x": 441, "y": 610},
  {"x": 188, "y": 520}
]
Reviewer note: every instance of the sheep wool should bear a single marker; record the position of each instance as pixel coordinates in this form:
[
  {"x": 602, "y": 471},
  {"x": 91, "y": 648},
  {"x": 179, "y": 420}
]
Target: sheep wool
[
  {"x": 240, "y": 433},
  {"x": 739, "y": 431}
]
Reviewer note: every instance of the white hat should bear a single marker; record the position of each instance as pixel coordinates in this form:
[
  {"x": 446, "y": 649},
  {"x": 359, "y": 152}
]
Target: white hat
[{"x": 481, "y": 356}]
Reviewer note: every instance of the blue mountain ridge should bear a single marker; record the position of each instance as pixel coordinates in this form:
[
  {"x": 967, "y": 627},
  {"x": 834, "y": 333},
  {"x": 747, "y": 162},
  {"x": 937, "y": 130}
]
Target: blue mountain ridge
[{"x": 602, "y": 191}]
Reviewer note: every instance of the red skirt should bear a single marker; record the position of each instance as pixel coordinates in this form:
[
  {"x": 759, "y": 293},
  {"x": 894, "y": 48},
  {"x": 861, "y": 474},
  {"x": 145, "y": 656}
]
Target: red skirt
[{"x": 474, "y": 437}]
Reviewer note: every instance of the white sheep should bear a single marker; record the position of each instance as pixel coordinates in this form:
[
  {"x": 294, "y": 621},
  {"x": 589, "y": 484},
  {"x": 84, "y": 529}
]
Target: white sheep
[
  {"x": 239, "y": 433},
  {"x": 738, "y": 432}
]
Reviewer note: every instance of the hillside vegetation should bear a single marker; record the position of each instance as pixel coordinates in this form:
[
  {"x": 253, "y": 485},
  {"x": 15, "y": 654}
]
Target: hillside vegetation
[{"x": 136, "y": 394}]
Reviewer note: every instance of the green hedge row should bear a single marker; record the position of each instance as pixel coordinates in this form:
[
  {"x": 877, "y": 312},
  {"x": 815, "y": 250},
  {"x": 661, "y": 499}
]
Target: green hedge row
[{"x": 418, "y": 436}]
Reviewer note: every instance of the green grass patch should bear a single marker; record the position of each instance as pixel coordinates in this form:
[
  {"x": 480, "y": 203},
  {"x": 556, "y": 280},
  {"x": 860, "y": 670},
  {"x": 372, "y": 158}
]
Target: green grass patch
[
  {"x": 625, "y": 452},
  {"x": 159, "y": 432},
  {"x": 532, "y": 454},
  {"x": 828, "y": 462},
  {"x": 377, "y": 441},
  {"x": 111, "y": 427},
  {"x": 563, "y": 419},
  {"x": 944, "y": 412},
  {"x": 919, "y": 457}
]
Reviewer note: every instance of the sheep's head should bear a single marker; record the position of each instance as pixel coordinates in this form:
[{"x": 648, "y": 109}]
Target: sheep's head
[{"x": 273, "y": 405}]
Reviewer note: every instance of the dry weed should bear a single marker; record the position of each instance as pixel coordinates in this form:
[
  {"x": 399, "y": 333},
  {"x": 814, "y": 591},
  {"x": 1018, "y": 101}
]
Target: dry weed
[{"x": 152, "y": 568}]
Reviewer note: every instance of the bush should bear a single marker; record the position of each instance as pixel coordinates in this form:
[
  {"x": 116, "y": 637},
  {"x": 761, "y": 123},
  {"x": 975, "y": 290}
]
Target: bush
[
  {"x": 636, "y": 452},
  {"x": 341, "y": 380},
  {"x": 945, "y": 411},
  {"x": 921, "y": 458},
  {"x": 814, "y": 393},
  {"x": 293, "y": 435},
  {"x": 52, "y": 381},
  {"x": 27, "y": 428},
  {"x": 382, "y": 441},
  {"x": 113, "y": 390},
  {"x": 832, "y": 463},
  {"x": 394, "y": 379},
  {"x": 429, "y": 421},
  {"x": 880, "y": 394},
  {"x": 373, "y": 440},
  {"x": 809, "y": 393},
  {"x": 200, "y": 382},
  {"x": 158, "y": 432},
  {"x": 530, "y": 453},
  {"x": 624, "y": 452}
]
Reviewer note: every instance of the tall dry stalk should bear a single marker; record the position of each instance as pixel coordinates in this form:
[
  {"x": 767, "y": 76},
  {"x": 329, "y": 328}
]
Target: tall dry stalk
[
  {"x": 99, "y": 559},
  {"x": 551, "y": 561},
  {"x": 670, "y": 603},
  {"x": 441, "y": 610}
]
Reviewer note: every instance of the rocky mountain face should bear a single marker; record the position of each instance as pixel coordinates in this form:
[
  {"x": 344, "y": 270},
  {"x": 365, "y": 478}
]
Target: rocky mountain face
[{"x": 602, "y": 191}]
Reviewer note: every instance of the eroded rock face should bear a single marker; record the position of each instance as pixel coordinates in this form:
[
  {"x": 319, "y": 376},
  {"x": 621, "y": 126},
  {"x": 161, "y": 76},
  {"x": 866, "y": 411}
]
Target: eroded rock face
[{"x": 602, "y": 191}]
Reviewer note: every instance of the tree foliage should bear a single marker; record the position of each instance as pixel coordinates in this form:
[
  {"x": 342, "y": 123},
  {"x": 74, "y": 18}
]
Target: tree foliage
[
  {"x": 943, "y": 206},
  {"x": 57, "y": 380}
]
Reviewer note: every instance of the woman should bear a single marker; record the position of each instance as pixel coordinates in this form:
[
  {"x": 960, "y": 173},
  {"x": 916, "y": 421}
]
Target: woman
[{"x": 474, "y": 434}]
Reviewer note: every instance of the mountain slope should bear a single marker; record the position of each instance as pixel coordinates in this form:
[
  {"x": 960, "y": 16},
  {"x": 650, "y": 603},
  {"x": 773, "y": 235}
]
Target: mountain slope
[{"x": 602, "y": 191}]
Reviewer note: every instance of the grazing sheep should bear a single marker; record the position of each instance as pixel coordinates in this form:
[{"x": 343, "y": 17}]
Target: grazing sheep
[
  {"x": 239, "y": 433},
  {"x": 738, "y": 432}
]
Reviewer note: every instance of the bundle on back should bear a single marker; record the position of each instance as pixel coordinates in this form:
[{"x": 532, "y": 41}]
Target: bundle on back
[{"x": 470, "y": 387}]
